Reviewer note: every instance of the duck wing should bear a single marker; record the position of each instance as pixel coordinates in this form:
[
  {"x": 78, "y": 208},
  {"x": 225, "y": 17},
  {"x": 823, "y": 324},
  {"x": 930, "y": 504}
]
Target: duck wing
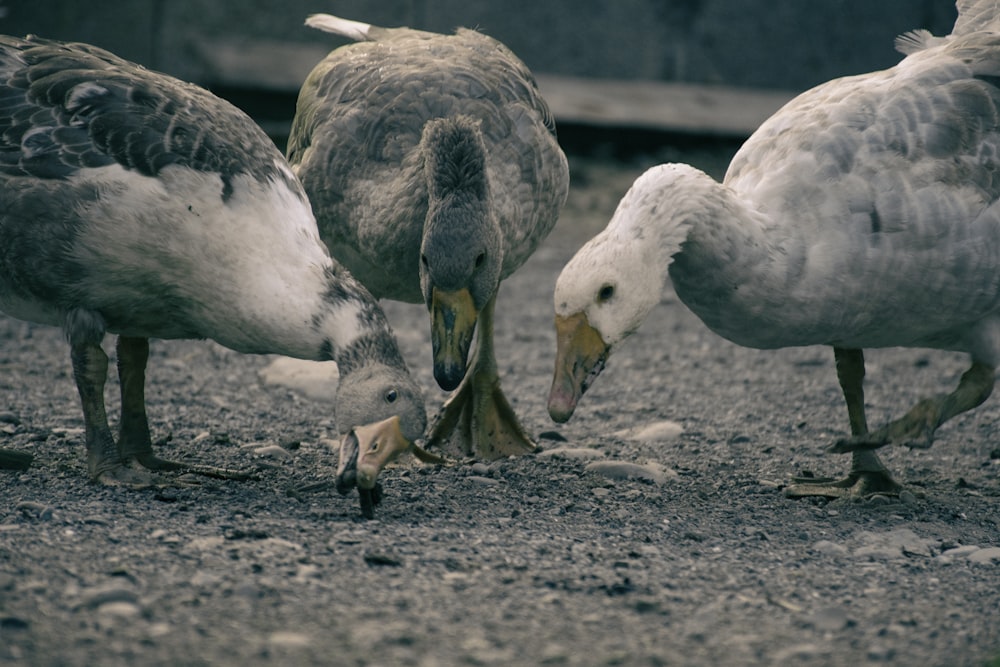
[
  {"x": 64, "y": 107},
  {"x": 885, "y": 186}
]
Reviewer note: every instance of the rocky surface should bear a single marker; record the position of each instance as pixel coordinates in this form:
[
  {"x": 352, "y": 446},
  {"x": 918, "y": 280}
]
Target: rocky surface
[{"x": 650, "y": 530}]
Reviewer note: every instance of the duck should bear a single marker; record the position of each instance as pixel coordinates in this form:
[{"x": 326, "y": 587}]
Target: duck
[
  {"x": 433, "y": 168},
  {"x": 862, "y": 214},
  {"x": 137, "y": 205}
]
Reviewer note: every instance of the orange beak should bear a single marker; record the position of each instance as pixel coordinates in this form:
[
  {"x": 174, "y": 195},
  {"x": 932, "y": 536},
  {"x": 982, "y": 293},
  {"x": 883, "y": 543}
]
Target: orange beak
[
  {"x": 580, "y": 357},
  {"x": 378, "y": 445},
  {"x": 365, "y": 451}
]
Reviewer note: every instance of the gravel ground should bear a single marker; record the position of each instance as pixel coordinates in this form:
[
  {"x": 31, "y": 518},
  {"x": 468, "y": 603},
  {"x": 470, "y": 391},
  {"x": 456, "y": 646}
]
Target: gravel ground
[{"x": 651, "y": 530}]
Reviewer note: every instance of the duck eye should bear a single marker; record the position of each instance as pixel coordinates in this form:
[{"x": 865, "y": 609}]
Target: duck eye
[
  {"x": 605, "y": 293},
  {"x": 424, "y": 260},
  {"x": 391, "y": 396},
  {"x": 480, "y": 258}
]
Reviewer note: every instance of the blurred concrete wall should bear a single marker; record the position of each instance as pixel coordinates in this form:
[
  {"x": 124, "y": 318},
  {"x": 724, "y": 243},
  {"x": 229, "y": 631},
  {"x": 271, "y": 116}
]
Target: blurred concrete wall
[{"x": 784, "y": 44}]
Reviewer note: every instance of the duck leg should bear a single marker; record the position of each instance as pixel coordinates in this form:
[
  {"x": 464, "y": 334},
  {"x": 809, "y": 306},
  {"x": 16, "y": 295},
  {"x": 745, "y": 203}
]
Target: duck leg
[
  {"x": 134, "y": 443},
  {"x": 867, "y": 476},
  {"x": 477, "y": 419},
  {"x": 916, "y": 428},
  {"x": 104, "y": 461}
]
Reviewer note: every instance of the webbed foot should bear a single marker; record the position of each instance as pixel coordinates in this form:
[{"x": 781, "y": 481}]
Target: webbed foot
[
  {"x": 478, "y": 422},
  {"x": 858, "y": 484}
]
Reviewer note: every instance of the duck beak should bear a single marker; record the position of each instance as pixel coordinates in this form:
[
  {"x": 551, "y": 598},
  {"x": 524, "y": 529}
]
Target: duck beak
[
  {"x": 377, "y": 445},
  {"x": 580, "y": 357},
  {"x": 364, "y": 452},
  {"x": 453, "y": 321}
]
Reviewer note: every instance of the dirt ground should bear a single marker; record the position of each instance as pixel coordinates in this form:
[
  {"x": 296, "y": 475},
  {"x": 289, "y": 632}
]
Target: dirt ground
[{"x": 651, "y": 530}]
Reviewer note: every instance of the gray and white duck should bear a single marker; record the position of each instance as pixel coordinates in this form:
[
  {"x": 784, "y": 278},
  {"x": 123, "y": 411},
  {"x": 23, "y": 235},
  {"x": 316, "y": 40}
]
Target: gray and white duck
[
  {"x": 863, "y": 214},
  {"x": 433, "y": 168},
  {"x": 132, "y": 203}
]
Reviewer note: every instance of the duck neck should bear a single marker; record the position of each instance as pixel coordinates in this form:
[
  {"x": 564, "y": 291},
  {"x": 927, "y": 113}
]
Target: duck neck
[
  {"x": 694, "y": 231},
  {"x": 461, "y": 245},
  {"x": 722, "y": 260},
  {"x": 677, "y": 216},
  {"x": 352, "y": 328}
]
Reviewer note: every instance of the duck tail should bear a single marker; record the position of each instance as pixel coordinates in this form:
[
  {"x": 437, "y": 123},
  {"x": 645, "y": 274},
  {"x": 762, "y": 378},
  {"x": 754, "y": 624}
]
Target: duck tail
[{"x": 355, "y": 30}]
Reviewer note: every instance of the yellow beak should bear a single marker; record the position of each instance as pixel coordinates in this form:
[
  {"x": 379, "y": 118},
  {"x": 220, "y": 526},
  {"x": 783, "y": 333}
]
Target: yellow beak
[
  {"x": 580, "y": 357},
  {"x": 453, "y": 321}
]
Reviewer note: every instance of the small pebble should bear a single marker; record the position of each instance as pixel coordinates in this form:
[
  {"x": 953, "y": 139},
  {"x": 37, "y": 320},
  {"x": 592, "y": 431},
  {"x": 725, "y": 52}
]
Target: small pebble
[
  {"x": 986, "y": 556},
  {"x": 880, "y": 653},
  {"x": 30, "y": 507},
  {"x": 119, "y": 609},
  {"x": 479, "y": 479},
  {"x": 203, "y": 579},
  {"x": 960, "y": 552},
  {"x": 13, "y": 623},
  {"x": 290, "y": 442},
  {"x": 658, "y": 431},
  {"x": 878, "y": 552},
  {"x": 275, "y": 452},
  {"x": 289, "y": 639},
  {"x": 893, "y": 630},
  {"x": 108, "y": 594},
  {"x": 573, "y": 453},
  {"x": 829, "y": 548},
  {"x": 626, "y": 470},
  {"x": 829, "y": 619},
  {"x": 379, "y": 558},
  {"x": 797, "y": 654}
]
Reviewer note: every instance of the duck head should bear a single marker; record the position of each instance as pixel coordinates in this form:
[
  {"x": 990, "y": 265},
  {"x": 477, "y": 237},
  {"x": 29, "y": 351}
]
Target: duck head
[
  {"x": 380, "y": 411},
  {"x": 461, "y": 251},
  {"x": 602, "y": 296}
]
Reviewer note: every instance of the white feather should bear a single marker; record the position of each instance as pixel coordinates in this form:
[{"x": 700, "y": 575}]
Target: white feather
[{"x": 351, "y": 29}]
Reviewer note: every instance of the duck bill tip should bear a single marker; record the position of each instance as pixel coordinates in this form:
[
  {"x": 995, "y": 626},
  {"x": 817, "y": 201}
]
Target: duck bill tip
[{"x": 580, "y": 357}]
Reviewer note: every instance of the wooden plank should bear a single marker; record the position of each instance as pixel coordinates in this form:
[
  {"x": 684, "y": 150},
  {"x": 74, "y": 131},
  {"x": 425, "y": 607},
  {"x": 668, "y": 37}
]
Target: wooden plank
[
  {"x": 659, "y": 105},
  {"x": 655, "y": 105},
  {"x": 268, "y": 66}
]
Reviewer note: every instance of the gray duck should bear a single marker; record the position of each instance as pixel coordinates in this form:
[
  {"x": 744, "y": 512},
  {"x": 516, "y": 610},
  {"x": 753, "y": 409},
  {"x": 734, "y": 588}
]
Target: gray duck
[
  {"x": 132, "y": 203},
  {"x": 432, "y": 165}
]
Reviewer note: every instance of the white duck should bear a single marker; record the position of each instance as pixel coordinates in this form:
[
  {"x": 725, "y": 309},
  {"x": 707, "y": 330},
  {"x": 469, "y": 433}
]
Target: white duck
[
  {"x": 432, "y": 165},
  {"x": 136, "y": 204},
  {"x": 862, "y": 214}
]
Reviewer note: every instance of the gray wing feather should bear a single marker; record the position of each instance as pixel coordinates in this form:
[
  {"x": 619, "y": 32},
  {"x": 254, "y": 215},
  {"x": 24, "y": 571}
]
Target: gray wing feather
[{"x": 64, "y": 107}]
